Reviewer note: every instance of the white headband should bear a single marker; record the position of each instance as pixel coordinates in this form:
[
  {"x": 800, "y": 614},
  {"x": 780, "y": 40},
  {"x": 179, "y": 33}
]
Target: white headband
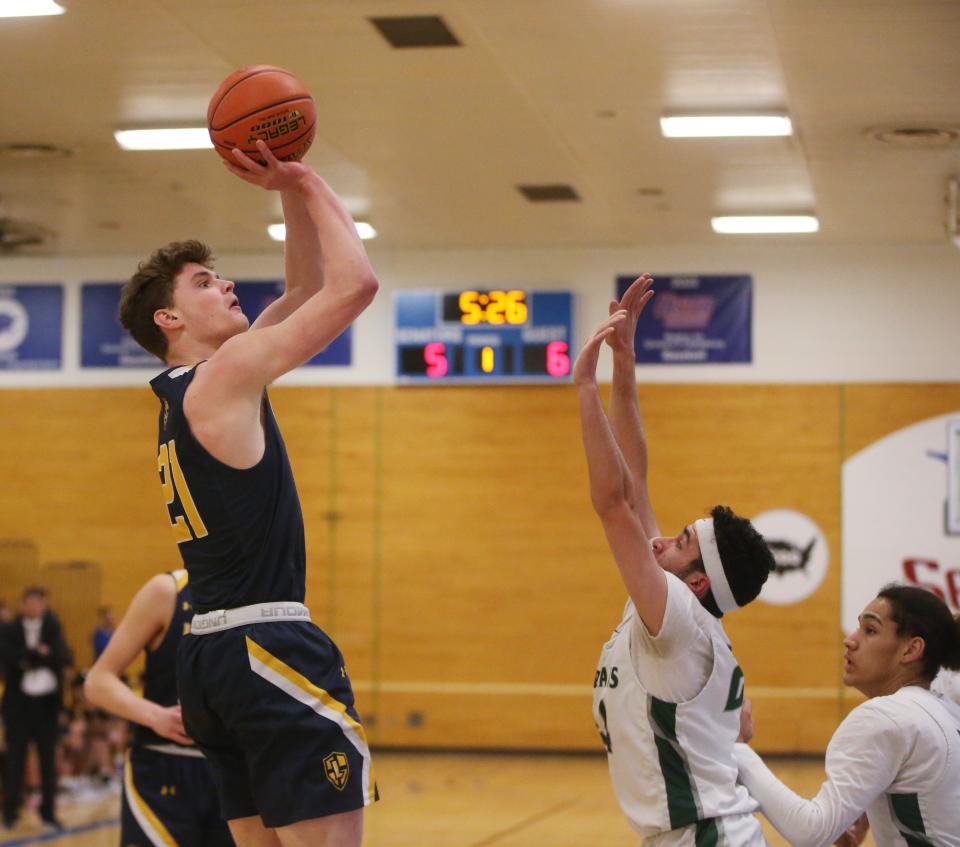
[{"x": 710, "y": 554}]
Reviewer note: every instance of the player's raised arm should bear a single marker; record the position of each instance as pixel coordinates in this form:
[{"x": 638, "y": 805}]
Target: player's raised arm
[
  {"x": 330, "y": 280},
  {"x": 144, "y": 623},
  {"x": 612, "y": 490},
  {"x": 625, "y": 418},
  {"x": 303, "y": 256}
]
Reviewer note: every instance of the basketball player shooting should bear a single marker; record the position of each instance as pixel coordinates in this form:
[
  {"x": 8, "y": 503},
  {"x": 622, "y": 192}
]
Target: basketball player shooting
[
  {"x": 264, "y": 693},
  {"x": 668, "y": 691}
]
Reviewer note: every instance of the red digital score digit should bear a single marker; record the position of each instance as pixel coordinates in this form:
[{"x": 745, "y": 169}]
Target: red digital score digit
[
  {"x": 558, "y": 362},
  {"x": 434, "y": 354}
]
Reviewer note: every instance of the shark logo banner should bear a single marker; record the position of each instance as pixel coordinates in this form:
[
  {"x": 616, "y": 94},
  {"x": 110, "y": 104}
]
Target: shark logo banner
[{"x": 800, "y": 554}]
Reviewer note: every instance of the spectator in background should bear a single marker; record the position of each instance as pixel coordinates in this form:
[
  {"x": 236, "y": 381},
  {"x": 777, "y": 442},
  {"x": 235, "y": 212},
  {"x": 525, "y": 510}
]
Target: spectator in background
[
  {"x": 34, "y": 654},
  {"x": 103, "y": 631}
]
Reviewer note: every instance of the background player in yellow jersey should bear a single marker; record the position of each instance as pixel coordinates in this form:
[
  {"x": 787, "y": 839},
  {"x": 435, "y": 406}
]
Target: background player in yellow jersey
[{"x": 168, "y": 792}]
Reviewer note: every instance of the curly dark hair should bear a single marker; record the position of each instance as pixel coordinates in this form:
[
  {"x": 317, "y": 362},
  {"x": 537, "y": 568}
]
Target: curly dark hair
[
  {"x": 151, "y": 288},
  {"x": 746, "y": 557},
  {"x": 922, "y": 614}
]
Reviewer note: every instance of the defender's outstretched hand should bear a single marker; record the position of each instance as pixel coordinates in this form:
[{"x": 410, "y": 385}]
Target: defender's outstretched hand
[
  {"x": 585, "y": 368},
  {"x": 855, "y": 833},
  {"x": 633, "y": 302},
  {"x": 746, "y": 722},
  {"x": 274, "y": 175}
]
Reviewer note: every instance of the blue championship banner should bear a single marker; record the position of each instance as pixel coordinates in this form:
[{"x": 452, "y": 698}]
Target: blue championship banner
[
  {"x": 31, "y": 327},
  {"x": 106, "y": 344},
  {"x": 103, "y": 342},
  {"x": 694, "y": 320},
  {"x": 256, "y": 295}
]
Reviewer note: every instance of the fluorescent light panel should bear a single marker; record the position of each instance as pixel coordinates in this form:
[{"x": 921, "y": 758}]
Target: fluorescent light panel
[
  {"x": 278, "y": 232},
  {"x": 185, "y": 138},
  {"x": 725, "y": 126},
  {"x": 764, "y": 224},
  {"x": 29, "y": 8}
]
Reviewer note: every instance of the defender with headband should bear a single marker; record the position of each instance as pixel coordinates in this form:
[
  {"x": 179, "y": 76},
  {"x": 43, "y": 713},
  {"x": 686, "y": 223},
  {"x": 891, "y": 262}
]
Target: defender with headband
[{"x": 668, "y": 693}]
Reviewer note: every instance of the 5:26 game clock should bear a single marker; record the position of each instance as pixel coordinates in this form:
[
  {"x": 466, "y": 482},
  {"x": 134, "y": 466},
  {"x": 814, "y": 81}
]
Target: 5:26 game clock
[{"x": 483, "y": 335}]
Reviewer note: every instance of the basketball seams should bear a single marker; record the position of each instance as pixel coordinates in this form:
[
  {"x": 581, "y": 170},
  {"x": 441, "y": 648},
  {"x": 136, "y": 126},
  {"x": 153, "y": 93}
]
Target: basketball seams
[
  {"x": 277, "y": 104},
  {"x": 274, "y": 105},
  {"x": 244, "y": 76}
]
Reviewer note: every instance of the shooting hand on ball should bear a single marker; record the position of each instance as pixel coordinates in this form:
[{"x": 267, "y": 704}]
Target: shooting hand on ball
[{"x": 273, "y": 175}]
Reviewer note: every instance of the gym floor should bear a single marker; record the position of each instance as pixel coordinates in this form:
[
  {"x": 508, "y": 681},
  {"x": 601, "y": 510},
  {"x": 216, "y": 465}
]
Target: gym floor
[{"x": 460, "y": 800}]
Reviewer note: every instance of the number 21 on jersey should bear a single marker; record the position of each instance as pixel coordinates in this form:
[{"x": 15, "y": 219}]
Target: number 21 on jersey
[{"x": 188, "y": 525}]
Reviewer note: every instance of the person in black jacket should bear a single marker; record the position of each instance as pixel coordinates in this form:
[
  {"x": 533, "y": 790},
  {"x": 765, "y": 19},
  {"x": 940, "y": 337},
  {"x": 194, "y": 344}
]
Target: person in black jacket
[{"x": 34, "y": 655}]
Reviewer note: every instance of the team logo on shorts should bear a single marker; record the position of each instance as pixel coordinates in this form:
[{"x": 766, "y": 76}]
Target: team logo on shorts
[{"x": 337, "y": 769}]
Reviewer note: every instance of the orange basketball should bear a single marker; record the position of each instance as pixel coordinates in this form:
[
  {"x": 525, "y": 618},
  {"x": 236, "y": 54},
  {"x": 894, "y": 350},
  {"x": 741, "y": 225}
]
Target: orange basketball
[{"x": 262, "y": 101}]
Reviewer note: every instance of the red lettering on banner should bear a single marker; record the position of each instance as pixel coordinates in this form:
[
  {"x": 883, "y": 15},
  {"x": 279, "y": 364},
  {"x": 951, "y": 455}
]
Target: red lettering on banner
[
  {"x": 684, "y": 311},
  {"x": 919, "y": 571},
  {"x": 953, "y": 587}
]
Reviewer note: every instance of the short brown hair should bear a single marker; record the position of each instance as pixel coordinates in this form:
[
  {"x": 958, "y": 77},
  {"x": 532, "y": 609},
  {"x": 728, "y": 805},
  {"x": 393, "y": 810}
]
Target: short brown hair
[{"x": 151, "y": 288}]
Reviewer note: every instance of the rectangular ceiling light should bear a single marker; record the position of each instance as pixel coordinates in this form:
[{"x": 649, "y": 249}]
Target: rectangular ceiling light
[
  {"x": 278, "y": 232},
  {"x": 764, "y": 224},
  {"x": 725, "y": 126},
  {"x": 29, "y": 8},
  {"x": 185, "y": 138}
]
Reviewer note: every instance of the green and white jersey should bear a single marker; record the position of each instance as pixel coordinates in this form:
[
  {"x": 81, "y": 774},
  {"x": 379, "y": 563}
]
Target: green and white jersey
[
  {"x": 947, "y": 683},
  {"x": 897, "y": 757},
  {"x": 671, "y": 759}
]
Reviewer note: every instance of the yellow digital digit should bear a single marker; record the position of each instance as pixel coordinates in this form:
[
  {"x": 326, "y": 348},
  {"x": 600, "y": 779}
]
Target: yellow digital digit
[
  {"x": 470, "y": 310},
  {"x": 173, "y": 482},
  {"x": 486, "y": 360},
  {"x": 186, "y": 500},
  {"x": 179, "y": 526},
  {"x": 516, "y": 311},
  {"x": 497, "y": 308}
]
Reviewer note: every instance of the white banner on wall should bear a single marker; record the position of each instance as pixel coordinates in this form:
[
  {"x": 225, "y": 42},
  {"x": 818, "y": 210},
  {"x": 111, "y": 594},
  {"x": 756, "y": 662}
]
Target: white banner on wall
[
  {"x": 799, "y": 551},
  {"x": 899, "y": 501}
]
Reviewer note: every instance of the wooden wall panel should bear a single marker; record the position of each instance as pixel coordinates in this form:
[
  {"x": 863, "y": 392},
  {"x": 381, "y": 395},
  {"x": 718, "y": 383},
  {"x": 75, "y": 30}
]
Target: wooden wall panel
[
  {"x": 452, "y": 550},
  {"x": 872, "y": 411},
  {"x": 81, "y": 482}
]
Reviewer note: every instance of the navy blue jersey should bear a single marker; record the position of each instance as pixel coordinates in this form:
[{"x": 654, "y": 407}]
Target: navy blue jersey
[
  {"x": 240, "y": 531},
  {"x": 160, "y": 669}
]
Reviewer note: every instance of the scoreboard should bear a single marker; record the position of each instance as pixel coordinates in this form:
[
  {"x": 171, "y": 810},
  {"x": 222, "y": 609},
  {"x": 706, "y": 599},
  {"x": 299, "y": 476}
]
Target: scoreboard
[{"x": 483, "y": 335}]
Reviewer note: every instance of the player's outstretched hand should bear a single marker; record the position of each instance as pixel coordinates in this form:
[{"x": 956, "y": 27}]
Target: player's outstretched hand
[
  {"x": 855, "y": 834},
  {"x": 633, "y": 302},
  {"x": 585, "y": 368},
  {"x": 274, "y": 175},
  {"x": 746, "y": 722},
  {"x": 168, "y": 723}
]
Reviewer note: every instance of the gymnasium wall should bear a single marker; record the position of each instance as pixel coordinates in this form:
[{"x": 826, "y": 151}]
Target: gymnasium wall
[{"x": 453, "y": 552}]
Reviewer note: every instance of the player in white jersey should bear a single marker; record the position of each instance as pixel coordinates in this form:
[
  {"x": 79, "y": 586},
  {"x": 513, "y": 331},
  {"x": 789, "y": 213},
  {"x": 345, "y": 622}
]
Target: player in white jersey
[
  {"x": 897, "y": 755},
  {"x": 947, "y": 684},
  {"x": 668, "y": 690}
]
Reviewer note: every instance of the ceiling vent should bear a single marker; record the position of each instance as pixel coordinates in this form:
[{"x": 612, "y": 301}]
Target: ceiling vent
[
  {"x": 916, "y": 137},
  {"x": 20, "y": 235},
  {"x": 418, "y": 31},
  {"x": 549, "y": 193}
]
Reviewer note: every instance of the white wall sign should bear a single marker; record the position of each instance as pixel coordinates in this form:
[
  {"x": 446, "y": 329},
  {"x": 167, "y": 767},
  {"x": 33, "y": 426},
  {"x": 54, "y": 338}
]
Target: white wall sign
[
  {"x": 800, "y": 552},
  {"x": 899, "y": 504}
]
